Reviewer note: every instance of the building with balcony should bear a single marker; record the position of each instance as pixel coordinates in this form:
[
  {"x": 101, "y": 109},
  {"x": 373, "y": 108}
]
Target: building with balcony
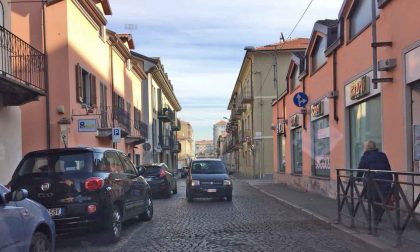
[
  {"x": 93, "y": 83},
  {"x": 22, "y": 83},
  {"x": 186, "y": 138},
  {"x": 204, "y": 149},
  {"x": 161, "y": 113},
  {"x": 250, "y": 144}
]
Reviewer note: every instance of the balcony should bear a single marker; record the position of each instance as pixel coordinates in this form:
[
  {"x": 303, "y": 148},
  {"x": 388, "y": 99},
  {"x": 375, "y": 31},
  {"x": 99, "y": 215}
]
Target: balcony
[
  {"x": 166, "y": 115},
  {"x": 165, "y": 142},
  {"x": 134, "y": 131},
  {"x": 176, "y": 126},
  {"x": 22, "y": 70},
  {"x": 246, "y": 97}
]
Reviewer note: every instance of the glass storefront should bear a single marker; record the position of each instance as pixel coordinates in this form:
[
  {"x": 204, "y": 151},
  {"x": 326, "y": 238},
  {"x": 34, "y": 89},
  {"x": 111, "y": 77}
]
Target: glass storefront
[
  {"x": 297, "y": 150},
  {"x": 321, "y": 147},
  {"x": 365, "y": 124},
  {"x": 281, "y": 153}
]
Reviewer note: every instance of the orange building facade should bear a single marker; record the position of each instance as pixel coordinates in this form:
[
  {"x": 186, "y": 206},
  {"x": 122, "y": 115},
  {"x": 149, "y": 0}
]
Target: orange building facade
[
  {"x": 88, "y": 81},
  {"x": 346, "y": 105}
]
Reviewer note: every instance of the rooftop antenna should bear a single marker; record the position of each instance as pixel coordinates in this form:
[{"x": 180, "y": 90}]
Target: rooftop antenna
[{"x": 281, "y": 37}]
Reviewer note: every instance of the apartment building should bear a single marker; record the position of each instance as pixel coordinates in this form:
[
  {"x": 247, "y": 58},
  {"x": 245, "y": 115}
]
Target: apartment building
[{"x": 186, "y": 138}]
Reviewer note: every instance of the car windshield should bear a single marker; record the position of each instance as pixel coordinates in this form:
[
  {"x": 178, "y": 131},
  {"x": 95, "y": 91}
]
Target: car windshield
[
  {"x": 151, "y": 170},
  {"x": 59, "y": 162},
  {"x": 208, "y": 167}
]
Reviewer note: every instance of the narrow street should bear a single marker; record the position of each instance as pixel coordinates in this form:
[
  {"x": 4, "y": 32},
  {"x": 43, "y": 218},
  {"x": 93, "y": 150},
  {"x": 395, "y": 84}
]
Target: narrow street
[{"x": 251, "y": 222}]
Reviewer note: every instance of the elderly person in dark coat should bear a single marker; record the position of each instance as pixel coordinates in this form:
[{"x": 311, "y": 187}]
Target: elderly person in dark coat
[{"x": 373, "y": 159}]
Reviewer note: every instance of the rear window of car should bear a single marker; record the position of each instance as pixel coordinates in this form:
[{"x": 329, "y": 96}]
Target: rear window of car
[
  {"x": 151, "y": 170},
  {"x": 60, "y": 162},
  {"x": 208, "y": 167}
]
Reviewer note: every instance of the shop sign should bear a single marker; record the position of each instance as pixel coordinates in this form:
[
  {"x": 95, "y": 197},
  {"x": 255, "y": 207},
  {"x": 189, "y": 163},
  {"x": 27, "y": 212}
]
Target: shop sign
[
  {"x": 359, "y": 88},
  {"x": 317, "y": 109},
  {"x": 322, "y": 162},
  {"x": 86, "y": 125}
]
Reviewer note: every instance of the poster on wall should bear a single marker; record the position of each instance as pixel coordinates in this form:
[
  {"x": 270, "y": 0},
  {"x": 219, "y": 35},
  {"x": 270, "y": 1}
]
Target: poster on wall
[
  {"x": 322, "y": 162},
  {"x": 416, "y": 143}
]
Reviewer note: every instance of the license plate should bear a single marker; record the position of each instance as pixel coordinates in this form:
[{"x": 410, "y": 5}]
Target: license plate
[
  {"x": 148, "y": 179},
  {"x": 55, "y": 212},
  {"x": 211, "y": 190}
]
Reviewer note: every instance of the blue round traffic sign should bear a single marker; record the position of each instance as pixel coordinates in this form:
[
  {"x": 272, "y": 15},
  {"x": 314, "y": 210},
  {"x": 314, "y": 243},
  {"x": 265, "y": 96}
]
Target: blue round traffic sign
[{"x": 300, "y": 99}]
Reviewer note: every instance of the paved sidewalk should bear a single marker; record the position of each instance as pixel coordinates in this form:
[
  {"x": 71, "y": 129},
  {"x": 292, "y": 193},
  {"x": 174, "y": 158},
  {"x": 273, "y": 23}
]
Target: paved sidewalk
[{"x": 325, "y": 209}]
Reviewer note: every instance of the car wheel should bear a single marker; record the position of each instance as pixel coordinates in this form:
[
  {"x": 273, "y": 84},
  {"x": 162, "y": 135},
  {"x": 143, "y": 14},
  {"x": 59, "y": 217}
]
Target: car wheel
[
  {"x": 168, "y": 192},
  {"x": 114, "y": 225},
  {"x": 148, "y": 213},
  {"x": 40, "y": 243},
  {"x": 229, "y": 198}
]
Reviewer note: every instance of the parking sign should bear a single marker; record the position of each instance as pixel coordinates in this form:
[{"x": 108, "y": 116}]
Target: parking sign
[{"x": 116, "y": 135}]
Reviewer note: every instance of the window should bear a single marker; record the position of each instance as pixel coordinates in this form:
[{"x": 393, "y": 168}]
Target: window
[
  {"x": 113, "y": 163},
  {"x": 128, "y": 109},
  {"x": 117, "y": 101},
  {"x": 294, "y": 77},
  {"x": 297, "y": 150},
  {"x": 85, "y": 87},
  {"x": 128, "y": 165},
  {"x": 365, "y": 124},
  {"x": 360, "y": 17},
  {"x": 318, "y": 56},
  {"x": 321, "y": 147},
  {"x": 281, "y": 153},
  {"x": 103, "y": 94},
  {"x": 137, "y": 118},
  {"x": 1, "y": 15}
]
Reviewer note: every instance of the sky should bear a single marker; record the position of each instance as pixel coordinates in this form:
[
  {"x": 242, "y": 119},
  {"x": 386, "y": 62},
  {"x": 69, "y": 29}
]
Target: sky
[{"x": 201, "y": 43}]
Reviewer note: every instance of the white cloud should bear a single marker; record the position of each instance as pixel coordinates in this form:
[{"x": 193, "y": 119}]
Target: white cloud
[{"x": 201, "y": 43}]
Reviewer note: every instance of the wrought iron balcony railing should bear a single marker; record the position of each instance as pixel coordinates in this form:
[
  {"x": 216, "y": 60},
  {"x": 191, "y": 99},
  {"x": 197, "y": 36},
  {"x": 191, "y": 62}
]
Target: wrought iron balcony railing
[
  {"x": 22, "y": 69},
  {"x": 166, "y": 115}
]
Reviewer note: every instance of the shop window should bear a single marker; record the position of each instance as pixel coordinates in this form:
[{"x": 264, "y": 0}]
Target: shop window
[
  {"x": 294, "y": 77},
  {"x": 360, "y": 17},
  {"x": 281, "y": 153},
  {"x": 297, "y": 150},
  {"x": 85, "y": 87},
  {"x": 321, "y": 147},
  {"x": 318, "y": 58},
  {"x": 365, "y": 124}
]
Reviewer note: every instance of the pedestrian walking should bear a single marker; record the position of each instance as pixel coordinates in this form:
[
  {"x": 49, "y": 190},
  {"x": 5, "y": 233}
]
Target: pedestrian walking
[{"x": 373, "y": 159}]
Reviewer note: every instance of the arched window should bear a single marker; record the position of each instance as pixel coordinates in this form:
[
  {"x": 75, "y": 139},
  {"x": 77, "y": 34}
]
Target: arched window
[{"x": 1, "y": 15}]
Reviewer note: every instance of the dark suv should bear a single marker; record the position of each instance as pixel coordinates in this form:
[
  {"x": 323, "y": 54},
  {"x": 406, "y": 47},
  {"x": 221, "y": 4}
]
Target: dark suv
[
  {"x": 85, "y": 188},
  {"x": 160, "y": 179}
]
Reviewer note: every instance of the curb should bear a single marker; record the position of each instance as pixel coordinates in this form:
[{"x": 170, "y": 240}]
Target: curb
[{"x": 368, "y": 239}]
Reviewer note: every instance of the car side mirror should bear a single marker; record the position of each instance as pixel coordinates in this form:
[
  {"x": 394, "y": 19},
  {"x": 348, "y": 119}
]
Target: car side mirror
[
  {"x": 17, "y": 195},
  {"x": 140, "y": 169}
]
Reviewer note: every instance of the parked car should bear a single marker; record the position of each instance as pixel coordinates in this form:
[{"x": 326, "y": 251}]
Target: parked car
[
  {"x": 160, "y": 179},
  {"x": 208, "y": 178},
  {"x": 85, "y": 188},
  {"x": 25, "y": 225}
]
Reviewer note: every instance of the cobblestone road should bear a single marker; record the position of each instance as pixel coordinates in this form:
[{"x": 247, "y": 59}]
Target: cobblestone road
[{"x": 251, "y": 222}]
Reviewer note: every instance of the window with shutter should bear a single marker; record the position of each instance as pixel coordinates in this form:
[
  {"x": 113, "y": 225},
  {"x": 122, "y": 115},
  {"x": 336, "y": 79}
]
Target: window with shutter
[
  {"x": 92, "y": 85},
  {"x": 79, "y": 90}
]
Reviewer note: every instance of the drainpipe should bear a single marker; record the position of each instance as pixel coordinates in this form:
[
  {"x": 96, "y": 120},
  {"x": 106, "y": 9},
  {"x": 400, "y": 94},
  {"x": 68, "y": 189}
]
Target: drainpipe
[
  {"x": 303, "y": 90},
  {"x": 46, "y": 79},
  {"x": 252, "y": 115},
  {"x": 335, "y": 85},
  {"x": 114, "y": 145},
  {"x": 374, "y": 49}
]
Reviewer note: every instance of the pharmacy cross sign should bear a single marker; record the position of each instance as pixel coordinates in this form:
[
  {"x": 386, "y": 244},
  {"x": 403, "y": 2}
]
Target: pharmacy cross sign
[{"x": 300, "y": 99}]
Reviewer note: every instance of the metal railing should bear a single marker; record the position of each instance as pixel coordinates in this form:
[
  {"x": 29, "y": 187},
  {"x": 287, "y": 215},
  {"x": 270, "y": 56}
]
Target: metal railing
[
  {"x": 116, "y": 117},
  {"x": 374, "y": 197},
  {"x": 20, "y": 61}
]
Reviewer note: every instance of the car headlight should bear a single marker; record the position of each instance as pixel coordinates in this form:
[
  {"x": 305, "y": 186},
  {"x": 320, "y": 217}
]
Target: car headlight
[
  {"x": 227, "y": 182},
  {"x": 195, "y": 182}
]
